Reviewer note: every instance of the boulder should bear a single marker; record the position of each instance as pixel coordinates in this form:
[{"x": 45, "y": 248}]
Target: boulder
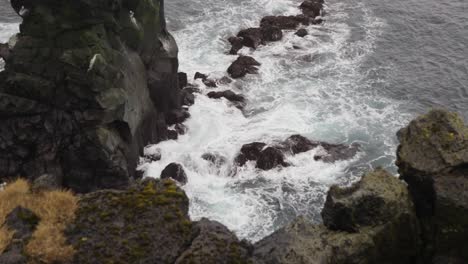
[
  {"x": 153, "y": 157},
  {"x": 301, "y": 32},
  {"x": 46, "y": 182},
  {"x": 336, "y": 152},
  {"x": 297, "y": 144},
  {"x": 176, "y": 172},
  {"x": 199, "y": 75},
  {"x": 210, "y": 83},
  {"x": 187, "y": 97},
  {"x": 214, "y": 243},
  {"x": 242, "y": 66},
  {"x": 237, "y": 43},
  {"x": 228, "y": 94},
  {"x": 249, "y": 152},
  {"x": 391, "y": 238},
  {"x": 270, "y": 158},
  {"x": 433, "y": 159},
  {"x": 312, "y": 8},
  {"x": 172, "y": 134},
  {"x": 84, "y": 92},
  {"x": 284, "y": 22},
  {"x": 251, "y": 37},
  {"x": 214, "y": 158},
  {"x": 225, "y": 80},
  {"x": 271, "y": 33}
]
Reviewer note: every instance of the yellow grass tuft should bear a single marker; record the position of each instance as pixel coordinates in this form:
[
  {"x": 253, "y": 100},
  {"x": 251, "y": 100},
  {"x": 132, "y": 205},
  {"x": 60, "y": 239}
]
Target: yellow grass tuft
[{"x": 56, "y": 209}]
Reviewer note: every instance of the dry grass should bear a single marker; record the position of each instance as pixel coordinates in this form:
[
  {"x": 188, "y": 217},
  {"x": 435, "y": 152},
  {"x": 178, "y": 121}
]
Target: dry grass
[{"x": 55, "y": 209}]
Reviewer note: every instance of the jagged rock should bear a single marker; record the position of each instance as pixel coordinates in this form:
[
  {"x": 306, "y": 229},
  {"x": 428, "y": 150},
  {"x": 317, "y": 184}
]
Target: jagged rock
[
  {"x": 433, "y": 159},
  {"x": 215, "y": 159},
  {"x": 237, "y": 44},
  {"x": 270, "y": 158},
  {"x": 297, "y": 144},
  {"x": 242, "y": 66},
  {"x": 392, "y": 239},
  {"x": 4, "y": 51},
  {"x": 271, "y": 33},
  {"x": 336, "y": 152},
  {"x": 251, "y": 37},
  {"x": 199, "y": 75},
  {"x": 312, "y": 8},
  {"x": 147, "y": 223},
  {"x": 172, "y": 134},
  {"x": 377, "y": 197},
  {"x": 214, "y": 243},
  {"x": 176, "y": 172},
  {"x": 229, "y": 95},
  {"x": 183, "y": 80},
  {"x": 187, "y": 97},
  {"x": 302, "y": 32},
  {"x": 177, "y": 116},
  {"x": 284, "y": 22},
  {"x": 210, "y": 83},
  {"x": 249, "y": 152},
  {"x": 84, "y": 92}
]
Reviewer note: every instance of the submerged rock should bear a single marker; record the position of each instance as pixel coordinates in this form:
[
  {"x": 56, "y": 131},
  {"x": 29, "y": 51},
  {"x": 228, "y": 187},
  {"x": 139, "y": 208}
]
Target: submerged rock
[
  {"x": 176, "y": 172},
  {"x": 391, "y": 238},
  {"x": 242, "y": 66},
  {"x": 270, "y": 158},
  {"x": 301, "y": 32},
  {"x": 210, "y": 83},
  {"x": 433, "y": 159}
]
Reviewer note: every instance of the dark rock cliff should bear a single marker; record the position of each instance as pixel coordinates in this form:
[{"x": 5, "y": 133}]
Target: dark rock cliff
[{"x": 87, "y": 85}]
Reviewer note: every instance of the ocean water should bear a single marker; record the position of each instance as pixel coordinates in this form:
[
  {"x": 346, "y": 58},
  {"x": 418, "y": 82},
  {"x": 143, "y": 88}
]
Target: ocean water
[{"x": 357, "y": 78}]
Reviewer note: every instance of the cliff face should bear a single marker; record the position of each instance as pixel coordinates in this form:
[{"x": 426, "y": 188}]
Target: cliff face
[{"x": 88, "y": 84}]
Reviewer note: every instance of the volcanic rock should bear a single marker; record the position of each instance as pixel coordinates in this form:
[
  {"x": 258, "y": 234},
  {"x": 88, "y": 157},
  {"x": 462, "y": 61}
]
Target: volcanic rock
[
  {"x": 284, "y": 22},
  {"x": 176, "y": 172},
  {"x": 312, "y": 8},
  {"x": 251, "y": 37},
  {"x": 237, "y": 44},
  {"x": 242, "y": 66},
  {"x": 199, "y": 75},
  {"x": 302, "y": 32},
  {"x": 270, "y": 158}
]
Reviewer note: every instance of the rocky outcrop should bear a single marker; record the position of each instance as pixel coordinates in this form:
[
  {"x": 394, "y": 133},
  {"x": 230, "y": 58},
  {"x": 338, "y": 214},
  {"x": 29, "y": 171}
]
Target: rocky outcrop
[
  {"x": 237, "y": 99},
  {"x": 87, "y": 85},
  {"x": 242, "y": 66},
  {"x": 377, "y": 235},
  {"x": 176, "y": 172},
  {"x": 148, "y": 223},
  {"x": 433, "y": 160}
]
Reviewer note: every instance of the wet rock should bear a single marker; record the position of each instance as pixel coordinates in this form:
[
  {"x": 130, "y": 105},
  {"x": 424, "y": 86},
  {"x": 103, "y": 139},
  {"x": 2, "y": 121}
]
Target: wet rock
[
  {"x": 183, "y": 80},
  {"x": 271, "y": 33},
  {"x": 251, "y": 37},
  {"x": 176, "y": 172},
  {"x": 337, "y": 152},
  {"x": 317, "y": 21},
  {"x": 214, "y": 243},
  {"x": 177, "y": 116},
  {"x": 199, "y": 75},
  {"x": 215, "y": 159},
  {"x": 181, "y": 129},
  {"x": 302, "y": 32},
  {"x": 312, "y": 8},
  {"x": 187, "y": 97},
  {"x": 4, "y": 51},
  {"x": 127, "y": 226},
  {"x": 284, "y": 22},
  {"x": 297, "y": 144},
  {"x": 228, "y": 94},
  {"x": 242, "y": 66},
  {"x": 237, "y": 43},
  {"x": 172, "y": 134},
  {"x": 390, "y": 238},
  {"x": 432, "y": 158},
  {"x": 225, "y": 80},
  {"x": 210, "y": 83},
  {"x": 156, "y": 156},
  {"x": 249, "y": 152},
  {"x": 270, "y": 158}
]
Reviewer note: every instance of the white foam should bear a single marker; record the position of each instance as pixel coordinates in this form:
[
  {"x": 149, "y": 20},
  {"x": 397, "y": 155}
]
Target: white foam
[{"x": 318, "y": 91}]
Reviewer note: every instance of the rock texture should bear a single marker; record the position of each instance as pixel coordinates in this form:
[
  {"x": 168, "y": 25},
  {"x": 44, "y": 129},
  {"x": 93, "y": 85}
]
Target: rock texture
[
  {"x": 242, "y": 66},
  {"x": 176, "y": 172},
  {"x": 389, "y": 238},
  {"x": 87, "y": 85},
  {"x": 148, "y": 223},
  {"x": 433, "y": 160}
]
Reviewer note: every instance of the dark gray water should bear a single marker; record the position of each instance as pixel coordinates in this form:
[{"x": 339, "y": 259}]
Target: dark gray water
[{"x": 359, "y": 77}]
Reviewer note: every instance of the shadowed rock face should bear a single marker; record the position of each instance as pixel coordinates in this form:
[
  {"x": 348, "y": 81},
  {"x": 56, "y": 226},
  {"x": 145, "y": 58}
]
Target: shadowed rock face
[
  {"x": 87, "y": 85},
  {"x": 433, "y": 160}
]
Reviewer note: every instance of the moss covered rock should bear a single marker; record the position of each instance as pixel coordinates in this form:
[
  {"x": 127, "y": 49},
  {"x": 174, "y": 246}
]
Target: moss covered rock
[
  {"x": 390, "y": 237},
  {"x": 88, "y": 84},
  {"x": 433, "y": 160}
]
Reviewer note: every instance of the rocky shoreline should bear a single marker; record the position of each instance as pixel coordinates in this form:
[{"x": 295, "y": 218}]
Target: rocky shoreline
[{"x": 84, "y": 92}]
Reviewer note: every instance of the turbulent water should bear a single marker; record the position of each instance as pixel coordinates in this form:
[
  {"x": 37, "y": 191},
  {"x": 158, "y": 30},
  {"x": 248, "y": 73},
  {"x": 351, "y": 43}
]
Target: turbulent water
[{"x": 359, "y": 77}]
